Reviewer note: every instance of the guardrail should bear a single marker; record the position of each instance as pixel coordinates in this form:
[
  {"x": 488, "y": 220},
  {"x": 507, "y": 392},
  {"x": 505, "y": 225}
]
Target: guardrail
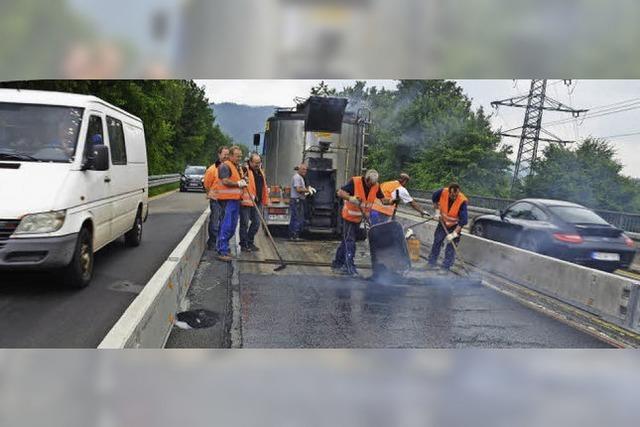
[
  {"x": 148, "y": 321},
  {"x": 156, "y": 180},
  {"x": 613, "y": 298},
  {"x": 625, "y": 221}
]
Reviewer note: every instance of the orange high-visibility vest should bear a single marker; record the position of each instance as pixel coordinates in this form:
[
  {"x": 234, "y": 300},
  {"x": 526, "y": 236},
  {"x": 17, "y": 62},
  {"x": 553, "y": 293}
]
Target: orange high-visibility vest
[
  {"x": 450, "y": 216},
  {"x": 210, "y": 177},
  {"x": 247, "y": 197},
  {"x": 387, "y": 189},
  {"x": 352, "y": 212},
  {"x": 223, "y": 192}
]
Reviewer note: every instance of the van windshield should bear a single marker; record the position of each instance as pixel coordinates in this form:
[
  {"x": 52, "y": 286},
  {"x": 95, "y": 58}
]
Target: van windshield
[{"x": 38, "y": 133}]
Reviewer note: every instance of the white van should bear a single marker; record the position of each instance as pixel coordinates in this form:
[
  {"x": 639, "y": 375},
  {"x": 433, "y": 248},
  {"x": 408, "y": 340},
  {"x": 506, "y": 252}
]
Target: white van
[{"x": 73, "y": 177}]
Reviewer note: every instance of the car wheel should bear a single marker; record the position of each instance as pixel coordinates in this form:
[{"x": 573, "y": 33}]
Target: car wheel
[
  {"x": 79, "y": 272},
  {"x": 528, "y": 242},
  {"x": 133, "y": 237},
  {"x": 182, "y": 189},
  {"x": 478, "y": 229}
]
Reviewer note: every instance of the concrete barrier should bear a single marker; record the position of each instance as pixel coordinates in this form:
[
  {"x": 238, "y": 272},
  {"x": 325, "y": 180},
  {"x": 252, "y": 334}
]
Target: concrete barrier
[
  {"x": 147, "y": 322},
  {"x": 613, "y": 298}
]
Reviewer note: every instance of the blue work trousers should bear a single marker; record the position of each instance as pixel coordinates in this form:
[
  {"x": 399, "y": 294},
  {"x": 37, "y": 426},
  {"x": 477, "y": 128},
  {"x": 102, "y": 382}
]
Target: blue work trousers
[
  {"x": 449, "y": 253},
  {"x": 249, "y": 225},
  {"x": 296, "y": 223},
  {"x": 215, "y": 218},
  {"x": 347, "y": 250},
  {"x": 228, "y": 226}
]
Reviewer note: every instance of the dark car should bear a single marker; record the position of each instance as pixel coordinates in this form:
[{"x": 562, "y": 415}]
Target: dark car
[
  {"x": 192, "y": 178},
  {"x": 559, "y": 229}
]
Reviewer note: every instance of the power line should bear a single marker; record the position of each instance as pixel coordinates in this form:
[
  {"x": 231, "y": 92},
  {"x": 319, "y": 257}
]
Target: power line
[
  {"x": 535, "y": 103},
  {"x": 607, "y": 112},
  {"x": 604, "y": 110},
  {"x": 620, "y": 135}
]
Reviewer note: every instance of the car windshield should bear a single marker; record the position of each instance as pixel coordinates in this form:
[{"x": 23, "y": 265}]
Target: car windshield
[
  {"x": 195, "y": 170},
  {"x": 37, "y": 133},
  {"x": 577, "y": 215}
]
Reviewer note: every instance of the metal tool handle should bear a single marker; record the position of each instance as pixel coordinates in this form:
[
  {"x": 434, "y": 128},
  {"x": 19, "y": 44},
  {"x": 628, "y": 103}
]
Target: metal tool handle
[
  {"x": 266, "y": 227},
  {"x": 455, "y": 248}
]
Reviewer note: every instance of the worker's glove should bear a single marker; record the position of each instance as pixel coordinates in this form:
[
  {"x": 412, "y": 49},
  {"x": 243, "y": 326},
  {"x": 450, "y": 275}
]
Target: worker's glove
[
  {"x": 312, "y": 190},
  {"x": 242, "y": 183},
  {"x": 452, "y": 236},
  {"x": 354, "y": 200},
  {"x": 424, "y": 213},
  {"x": 436, "y": 215}
]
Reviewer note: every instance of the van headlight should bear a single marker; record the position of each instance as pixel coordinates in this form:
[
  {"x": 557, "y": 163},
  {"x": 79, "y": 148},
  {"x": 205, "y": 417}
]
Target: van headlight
[{"x": 46, "y": 222}]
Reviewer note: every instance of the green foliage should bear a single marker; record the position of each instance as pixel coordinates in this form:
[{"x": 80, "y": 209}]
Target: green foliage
[
  {"x": 179, "y": 124},
  {"x": 589, "y": 175},
  {"x": 164, "y": 188},
  {"x": 322, "y": 89},
  {"x": 428, "y": 129}
]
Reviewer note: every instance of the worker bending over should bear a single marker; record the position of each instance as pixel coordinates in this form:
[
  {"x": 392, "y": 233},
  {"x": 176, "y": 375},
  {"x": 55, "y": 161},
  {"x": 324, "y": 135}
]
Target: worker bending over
[
  {"x": 228, "y": 188},
  {"x": 359, "y": 195},
  {"x": 395, "y": 191},
  {"x": 451, "y": 209},
  {"x": 255, "y": 194},
  {"x": 216, "y": 209}
]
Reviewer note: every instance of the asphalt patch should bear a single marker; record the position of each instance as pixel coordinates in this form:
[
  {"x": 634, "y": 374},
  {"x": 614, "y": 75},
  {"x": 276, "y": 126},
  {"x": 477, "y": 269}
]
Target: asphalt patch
[{"x": 323, "y": 311}]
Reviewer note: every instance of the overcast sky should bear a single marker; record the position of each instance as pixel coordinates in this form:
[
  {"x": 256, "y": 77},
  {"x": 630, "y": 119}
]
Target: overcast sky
[{"x": 580, "y": 94}]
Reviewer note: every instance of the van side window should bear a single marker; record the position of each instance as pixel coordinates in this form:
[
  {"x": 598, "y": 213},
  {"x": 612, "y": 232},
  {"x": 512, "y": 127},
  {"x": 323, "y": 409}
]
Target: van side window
[
  {"x": 95, "y": 134},
  {"x": 116, "y": 140}
]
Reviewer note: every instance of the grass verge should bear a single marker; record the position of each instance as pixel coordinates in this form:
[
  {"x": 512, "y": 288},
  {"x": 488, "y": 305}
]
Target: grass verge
[{"x": 154, "y": 191}]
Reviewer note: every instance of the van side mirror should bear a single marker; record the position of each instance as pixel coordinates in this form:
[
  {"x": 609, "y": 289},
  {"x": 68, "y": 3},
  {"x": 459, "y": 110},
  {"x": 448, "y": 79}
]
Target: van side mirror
[
  {"x": 501, "y": 213},
  {"x": 256, "y": 139},
  {"x": 98, "y": 158}
]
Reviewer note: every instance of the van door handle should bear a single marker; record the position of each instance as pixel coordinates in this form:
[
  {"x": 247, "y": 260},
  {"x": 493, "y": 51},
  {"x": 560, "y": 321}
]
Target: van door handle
[{"x": 107, "y": 179}]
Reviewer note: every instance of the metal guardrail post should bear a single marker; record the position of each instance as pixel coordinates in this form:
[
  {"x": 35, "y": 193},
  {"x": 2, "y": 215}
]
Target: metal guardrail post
[{"x": 157, "y": 180}]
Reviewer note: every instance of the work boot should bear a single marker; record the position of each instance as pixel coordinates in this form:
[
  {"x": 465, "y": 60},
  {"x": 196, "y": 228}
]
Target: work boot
[
  {"x": 352, "y": 272},
  {"x": 245, "y": 249},
  {"x": 225, "y": 257},
  {"x": 253, "y": 248}
]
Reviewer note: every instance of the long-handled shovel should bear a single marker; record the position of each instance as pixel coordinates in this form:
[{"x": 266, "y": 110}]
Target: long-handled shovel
[
  {"x": 282, "y": 265},
  {"x": 455, "y": 248}
]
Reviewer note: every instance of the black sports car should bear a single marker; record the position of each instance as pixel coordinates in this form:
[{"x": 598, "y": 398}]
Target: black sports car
[{"x": 559, "y": 229}]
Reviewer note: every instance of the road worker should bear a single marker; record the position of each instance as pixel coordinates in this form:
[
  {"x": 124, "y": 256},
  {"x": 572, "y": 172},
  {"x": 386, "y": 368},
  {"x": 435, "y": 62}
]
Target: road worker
[
  {"x": 359, "y": 195},
  {"x": 450, "y": 207},
  {"x": 299, "y": 192},
  {"x": 228, "y": 189},
  {"x": 396, "y": 191},
  {"x": 216, "y": 208},
  {"x": 256, "y": 194}
]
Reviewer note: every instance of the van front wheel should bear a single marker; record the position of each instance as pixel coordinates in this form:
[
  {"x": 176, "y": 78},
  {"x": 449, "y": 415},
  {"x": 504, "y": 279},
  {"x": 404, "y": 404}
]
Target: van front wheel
[
  {"x": 133, "y": 237},
  {"x": 79, "y": 272}
]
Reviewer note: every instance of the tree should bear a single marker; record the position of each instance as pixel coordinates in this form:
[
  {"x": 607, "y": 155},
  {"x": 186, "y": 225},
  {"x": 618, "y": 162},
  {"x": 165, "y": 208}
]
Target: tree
[
  {"x": 323, "y": 89},
  {"x": 428, "y": 128},
  {"x": 589, "y": 175},
  {"x": 179, "y": 125}
]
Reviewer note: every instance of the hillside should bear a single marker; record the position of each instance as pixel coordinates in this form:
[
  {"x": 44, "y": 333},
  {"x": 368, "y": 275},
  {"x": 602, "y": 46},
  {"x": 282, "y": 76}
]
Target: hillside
[{"x": 241, "y": 121}]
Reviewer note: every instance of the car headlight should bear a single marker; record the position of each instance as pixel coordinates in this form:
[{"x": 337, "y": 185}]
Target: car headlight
[{"x": 46, "y": 222}]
